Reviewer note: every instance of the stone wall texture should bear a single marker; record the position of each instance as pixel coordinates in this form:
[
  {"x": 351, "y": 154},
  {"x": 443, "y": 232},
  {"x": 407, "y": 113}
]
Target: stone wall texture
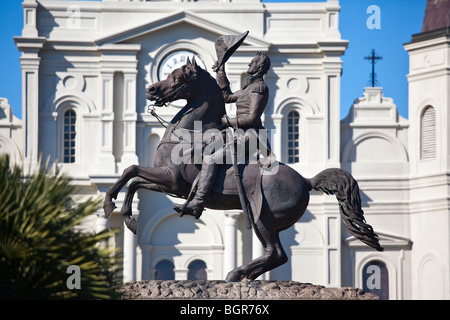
[{"x": 245, "y": 290}]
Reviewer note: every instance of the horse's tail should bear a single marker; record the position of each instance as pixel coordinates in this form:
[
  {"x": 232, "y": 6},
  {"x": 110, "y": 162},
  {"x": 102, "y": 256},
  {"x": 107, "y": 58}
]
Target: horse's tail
[{"x": 341, "y": 183}]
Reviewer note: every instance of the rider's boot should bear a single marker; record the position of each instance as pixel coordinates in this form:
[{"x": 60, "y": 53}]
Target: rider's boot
[{"x": 206, "y": 181}]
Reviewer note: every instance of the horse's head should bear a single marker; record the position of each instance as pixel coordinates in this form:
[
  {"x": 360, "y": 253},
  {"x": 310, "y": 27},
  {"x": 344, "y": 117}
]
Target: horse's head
[{"x": 178, "y": 85}]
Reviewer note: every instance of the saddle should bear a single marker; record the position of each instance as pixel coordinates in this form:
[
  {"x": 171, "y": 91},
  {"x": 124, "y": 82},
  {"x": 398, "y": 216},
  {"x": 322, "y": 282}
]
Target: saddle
[{"x": 226, "y": 183}]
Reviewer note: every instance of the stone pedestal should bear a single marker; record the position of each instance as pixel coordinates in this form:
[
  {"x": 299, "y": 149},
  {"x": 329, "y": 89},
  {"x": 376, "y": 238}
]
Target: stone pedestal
[{"x": 245, "y": 290}]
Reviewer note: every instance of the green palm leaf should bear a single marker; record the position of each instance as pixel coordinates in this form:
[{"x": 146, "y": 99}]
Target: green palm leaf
[{"x": 39, "y": 239}]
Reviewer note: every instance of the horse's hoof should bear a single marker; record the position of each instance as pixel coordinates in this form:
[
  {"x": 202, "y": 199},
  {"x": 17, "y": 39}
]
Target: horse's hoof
[
  {"x": 109, "y": 208},
  {"x": 233, "y": 277},
  {"x": 131, "y": 224}
]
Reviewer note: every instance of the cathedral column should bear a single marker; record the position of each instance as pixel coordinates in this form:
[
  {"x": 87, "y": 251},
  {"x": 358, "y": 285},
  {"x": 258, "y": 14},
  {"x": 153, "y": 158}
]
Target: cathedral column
[
  {"x": 230, "y": 252},
  {"x": 101, "y": 225},
  {"x": 132, "y": 255},
  {"x": 129, "y": 255}
]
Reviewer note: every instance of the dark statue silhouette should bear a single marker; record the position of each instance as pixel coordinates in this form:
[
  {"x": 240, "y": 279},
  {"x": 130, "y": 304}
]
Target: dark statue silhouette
[{"x": 273, "y": 197}]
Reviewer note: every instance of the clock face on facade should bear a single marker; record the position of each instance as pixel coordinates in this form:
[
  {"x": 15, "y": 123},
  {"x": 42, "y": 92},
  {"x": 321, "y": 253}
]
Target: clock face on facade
[{"x": 175, "y": 60}]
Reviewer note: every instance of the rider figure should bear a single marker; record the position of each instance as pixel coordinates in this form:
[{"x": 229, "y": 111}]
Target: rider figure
[{"x": 250, "y": 101}]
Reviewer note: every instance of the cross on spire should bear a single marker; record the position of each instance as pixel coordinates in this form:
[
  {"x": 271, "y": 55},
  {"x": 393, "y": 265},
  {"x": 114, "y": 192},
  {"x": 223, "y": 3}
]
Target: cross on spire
[{"x": 374, "y": 59}]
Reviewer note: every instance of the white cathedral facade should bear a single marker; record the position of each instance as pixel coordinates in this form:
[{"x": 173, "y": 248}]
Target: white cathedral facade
[{"x": 85, "y": 66}]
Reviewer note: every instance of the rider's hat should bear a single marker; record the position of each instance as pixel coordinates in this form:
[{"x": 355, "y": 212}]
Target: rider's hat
[{"x": 227, "y": 45}]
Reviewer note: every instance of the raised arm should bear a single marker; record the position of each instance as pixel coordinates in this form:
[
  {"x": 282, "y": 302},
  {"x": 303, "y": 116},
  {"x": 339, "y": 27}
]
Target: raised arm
[{"x": 224, "y": 84}]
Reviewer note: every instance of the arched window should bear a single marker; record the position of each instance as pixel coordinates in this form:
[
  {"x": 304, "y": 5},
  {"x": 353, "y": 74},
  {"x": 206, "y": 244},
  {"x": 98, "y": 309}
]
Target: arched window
[
  {"x": 376, "y": 279},
  {"x": 428, "y": 134},
  {"x": 164, "y": 270},
  {"x": 70, "y": 119},
  {"x": 293, "y": 140},
  {"x": 197, "y": 270}
]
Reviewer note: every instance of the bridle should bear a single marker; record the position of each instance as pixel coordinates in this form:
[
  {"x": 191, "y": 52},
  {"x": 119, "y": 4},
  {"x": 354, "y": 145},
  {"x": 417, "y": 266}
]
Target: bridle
[{"x": 161, "y": 102}]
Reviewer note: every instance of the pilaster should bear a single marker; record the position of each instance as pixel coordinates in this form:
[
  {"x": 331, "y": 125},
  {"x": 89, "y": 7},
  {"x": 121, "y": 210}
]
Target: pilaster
[
  {"x": 29, "y": 18},
  {"x": 129, "y": 156},
  {"x": 118, "y": 58},
  {"x": 332, "y": 69},
  {"x": 29, "y": 62},
  {"x": 332, "y": 244},
  {"x": 331, "y": 105},
  {"x": 106, "y": 163}
]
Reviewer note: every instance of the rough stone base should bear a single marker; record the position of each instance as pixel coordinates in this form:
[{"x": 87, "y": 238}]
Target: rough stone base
[{"x": 245, "y": 290}]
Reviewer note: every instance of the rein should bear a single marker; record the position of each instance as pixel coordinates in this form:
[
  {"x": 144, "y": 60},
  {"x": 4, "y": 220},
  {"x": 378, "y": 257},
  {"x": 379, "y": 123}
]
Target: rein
[{"x": 164, "y": 123}]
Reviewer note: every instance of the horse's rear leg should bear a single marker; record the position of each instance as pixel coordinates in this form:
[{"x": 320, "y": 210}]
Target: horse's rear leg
[
  {"x": 138, "y": 183},
  {"x": 273, "y": 256}
]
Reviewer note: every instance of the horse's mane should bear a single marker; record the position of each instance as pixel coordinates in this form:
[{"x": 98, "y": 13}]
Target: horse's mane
[
  {"x": 204, "y": 74},
  {"x": 213, "y": 87}
]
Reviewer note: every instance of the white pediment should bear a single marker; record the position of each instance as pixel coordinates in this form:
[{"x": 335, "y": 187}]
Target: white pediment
[
  {"x": 251, "y": 42},
  {"x": 386, "y": 240}
]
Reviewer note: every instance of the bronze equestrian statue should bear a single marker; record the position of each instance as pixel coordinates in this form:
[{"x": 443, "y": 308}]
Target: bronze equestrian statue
[
  {"x": 250, "y": 104},
  {"x": 275, "y": 201}
]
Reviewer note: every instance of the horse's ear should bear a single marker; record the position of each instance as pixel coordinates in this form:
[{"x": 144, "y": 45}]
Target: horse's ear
[
  {"x": 194, "y": 62},
  {"x": 191, "y": 70}
]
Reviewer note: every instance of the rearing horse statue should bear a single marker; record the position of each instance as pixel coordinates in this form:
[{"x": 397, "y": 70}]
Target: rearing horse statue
[{"x": 277, "y": 200}]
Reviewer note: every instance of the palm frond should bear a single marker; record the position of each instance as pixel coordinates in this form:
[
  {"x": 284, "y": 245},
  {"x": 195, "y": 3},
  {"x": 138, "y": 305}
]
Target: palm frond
[{"x": 39, "y": 239}]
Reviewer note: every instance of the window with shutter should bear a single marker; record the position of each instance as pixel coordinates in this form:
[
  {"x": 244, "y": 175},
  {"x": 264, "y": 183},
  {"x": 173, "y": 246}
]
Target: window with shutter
[
  {"x": 293, "y": 137},
  {"x": 70, "y": 119},
  {"x": 428, "y": 134}
]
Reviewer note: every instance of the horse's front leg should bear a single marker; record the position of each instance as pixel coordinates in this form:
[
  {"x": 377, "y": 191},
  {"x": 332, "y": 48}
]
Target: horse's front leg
[
  {"x": 161, "y": 176},
  {"x": 108, "y": 204},
  {"x": 138, "y": 183}
]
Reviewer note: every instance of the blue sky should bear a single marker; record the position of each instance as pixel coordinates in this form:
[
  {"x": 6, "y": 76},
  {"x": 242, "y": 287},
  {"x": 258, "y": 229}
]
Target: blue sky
[{"x": 399, "y": 20}]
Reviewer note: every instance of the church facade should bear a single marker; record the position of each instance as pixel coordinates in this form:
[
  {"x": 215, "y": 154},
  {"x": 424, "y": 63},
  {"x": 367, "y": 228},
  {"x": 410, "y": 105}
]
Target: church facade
[{"x": 85, "y": 67}]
